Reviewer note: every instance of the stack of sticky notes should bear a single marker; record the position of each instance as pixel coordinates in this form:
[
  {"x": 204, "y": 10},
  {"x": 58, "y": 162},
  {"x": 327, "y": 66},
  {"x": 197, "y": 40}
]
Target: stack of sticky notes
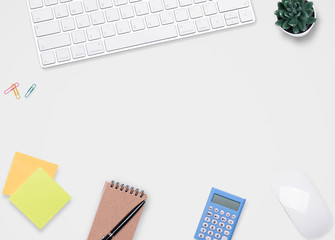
[{"x": 32, "y": 189}]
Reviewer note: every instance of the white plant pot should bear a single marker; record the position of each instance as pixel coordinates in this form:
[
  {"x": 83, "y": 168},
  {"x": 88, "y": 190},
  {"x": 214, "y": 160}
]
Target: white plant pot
[{"x": 303, "y": 33}]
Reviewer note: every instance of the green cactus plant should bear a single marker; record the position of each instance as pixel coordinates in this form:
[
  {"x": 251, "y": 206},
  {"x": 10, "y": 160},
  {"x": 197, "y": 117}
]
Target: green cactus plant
[{"x": 295, "y": 15}]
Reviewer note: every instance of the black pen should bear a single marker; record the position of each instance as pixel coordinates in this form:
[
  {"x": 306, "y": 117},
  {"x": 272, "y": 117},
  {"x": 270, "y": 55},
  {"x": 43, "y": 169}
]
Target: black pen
[{"x": 123, "y": 222}]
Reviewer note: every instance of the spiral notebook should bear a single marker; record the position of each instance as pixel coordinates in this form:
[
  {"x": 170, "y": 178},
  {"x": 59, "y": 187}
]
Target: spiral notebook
[{"x": 116, "y": 202}]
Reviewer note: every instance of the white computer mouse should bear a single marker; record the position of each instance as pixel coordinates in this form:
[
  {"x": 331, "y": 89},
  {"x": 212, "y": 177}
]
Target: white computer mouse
[{"x": 303, "y": 203}]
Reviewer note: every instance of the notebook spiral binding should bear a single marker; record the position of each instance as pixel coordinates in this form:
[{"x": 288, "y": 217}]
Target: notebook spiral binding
[{"x": 126, "y": 188}]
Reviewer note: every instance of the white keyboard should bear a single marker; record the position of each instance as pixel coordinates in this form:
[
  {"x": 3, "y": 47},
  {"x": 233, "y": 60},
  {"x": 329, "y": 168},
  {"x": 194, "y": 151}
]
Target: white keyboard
[{"x": 72, "y": 30}]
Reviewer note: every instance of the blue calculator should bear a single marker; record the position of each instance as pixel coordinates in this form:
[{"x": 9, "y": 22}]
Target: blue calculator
[{"x": 220, "y": 216}]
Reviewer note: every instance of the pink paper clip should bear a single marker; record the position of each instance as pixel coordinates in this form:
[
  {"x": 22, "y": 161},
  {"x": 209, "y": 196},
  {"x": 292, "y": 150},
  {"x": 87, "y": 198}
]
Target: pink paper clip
[{"x": 11, "y": 88}]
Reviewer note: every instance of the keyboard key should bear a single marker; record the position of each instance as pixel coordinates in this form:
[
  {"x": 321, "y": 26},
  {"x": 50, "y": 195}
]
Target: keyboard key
[
  {"x": 123, "y": 27},
  {"x": 95, "y": 48},
  {"x": 61, "y": 11},
  {"x": 152, "y": 21},
  {"x": 76, "y": 8},
  {"x": 108, "y": 30},
  {"x": 83, "y": 21},
  {"x": 56, "y": 41},
  {"x": 90, "y": 5},
  {"x": 170, "y": 4},
  {"x": 133, "y": 1},
  {"x": 78, "y": 36},
  {"x": 35, "y": 4},
  {"x": 120, "y": 2},
  {"x": 93, "y": 33},
  {"x": 50, "y": 2},
  {"x": 97, "y": 18},
  {"x": 42, "y": 15},
  {"x": 228, "y": 5},
  {"x": 202, "y": 24},
  {"x": 195, "y": 11},
  {"x": 78, "y": 51},
  {"x": 181, "y": 14},
  {"x": 137, "y": 24},
  {"x": 210, "y": 8},
  {"x": 156, "y": 6},
  {"x": 232, "y": 21},
  {"x": 230, "y": 15},
  {"x": 184, "y": 3},
  {"x": 127, "y": 12},
  {"x": 217, "y": 22},
  {"x": 63, "y": 55},
  {"x": 105, "y": 3},
  {"x": 112, "y": 15},
  {"x": 47, "y": 28},
  {"x": 68, "y": 24},
  {"x": 166, "y": 18},
  {"x": 141, "y": 8},
  {"x": 48, "y": 58},
  {"x": 245, "y": 16},
  {"x": 186, "y": 28},
  {"x": 140, "y": 38},
  {"x": 199, "y": 1},
  {"x": 65, "y": 1}
]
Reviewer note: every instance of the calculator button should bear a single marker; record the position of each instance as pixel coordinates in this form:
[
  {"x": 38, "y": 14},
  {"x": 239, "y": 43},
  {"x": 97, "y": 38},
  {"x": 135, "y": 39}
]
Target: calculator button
[
  {"x": 233, "y": 217},
  {"x": 209, "y": 214},
  {"x": 217, "y": 235},
  {"x": 212, "y": 227},
  {"x": 208, "y": 238},
  {"x": 210, "y": 208},
  {"x": 207, "y": 219},
  {"x": 216, "y": 216},
  {"x": 205, "y": 224},
  {"x": 216, "y": 210},
  {"x": 202, "y": 230},
  {"x": 221, "y": 212},
  {"x": 231, "y": 222},
  {"x": 228, "y": 214},
  {"x": 228, "y": 227},
  {"x": 219, "y": 230},
  {"x": 221, "y": 224},
  {"x": 224, "y": 238},
  {"x": 201, "y": 235},
  {"x": 210, "y": 233},
  {"x": 223, "y": 219},
  {"x": 214, "y": 222},
  {"x": 226, "y": 233}
]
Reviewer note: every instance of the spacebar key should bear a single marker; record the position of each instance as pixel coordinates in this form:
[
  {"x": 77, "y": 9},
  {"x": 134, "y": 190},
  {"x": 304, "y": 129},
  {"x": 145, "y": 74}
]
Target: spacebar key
[{"x": 140, "y": 38}]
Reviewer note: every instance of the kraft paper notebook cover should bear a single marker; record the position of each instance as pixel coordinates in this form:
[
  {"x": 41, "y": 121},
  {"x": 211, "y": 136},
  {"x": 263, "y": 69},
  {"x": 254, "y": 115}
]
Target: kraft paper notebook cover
[
  {"x": 22, "y": 168},
  {"x": 116, "y": 202}
]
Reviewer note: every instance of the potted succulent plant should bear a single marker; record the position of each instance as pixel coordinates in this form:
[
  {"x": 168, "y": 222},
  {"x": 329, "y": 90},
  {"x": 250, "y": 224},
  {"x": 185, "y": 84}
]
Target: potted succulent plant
[{"x": 295, "y": 17}]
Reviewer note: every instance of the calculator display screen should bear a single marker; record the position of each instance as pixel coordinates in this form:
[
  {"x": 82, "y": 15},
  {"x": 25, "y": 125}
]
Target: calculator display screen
[{"x": 226, "y": 202}]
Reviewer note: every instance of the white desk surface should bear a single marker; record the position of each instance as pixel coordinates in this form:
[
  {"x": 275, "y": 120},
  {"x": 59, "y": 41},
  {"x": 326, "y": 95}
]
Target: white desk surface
[{"x": 230, "y": 109}]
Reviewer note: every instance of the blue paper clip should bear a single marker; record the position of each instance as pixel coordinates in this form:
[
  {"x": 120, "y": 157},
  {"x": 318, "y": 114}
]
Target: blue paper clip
[{"x": 31, "y": 89}]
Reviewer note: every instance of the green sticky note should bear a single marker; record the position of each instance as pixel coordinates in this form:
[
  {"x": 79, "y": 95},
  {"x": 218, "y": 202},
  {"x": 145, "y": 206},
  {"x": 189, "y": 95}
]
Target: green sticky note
[{"x": 40, "y": 198}]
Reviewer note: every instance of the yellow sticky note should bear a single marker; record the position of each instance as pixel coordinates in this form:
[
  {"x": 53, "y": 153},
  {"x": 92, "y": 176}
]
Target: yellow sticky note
[
  {"x": 40, "y": 198},
  {"x": 22, "y": 168}
]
